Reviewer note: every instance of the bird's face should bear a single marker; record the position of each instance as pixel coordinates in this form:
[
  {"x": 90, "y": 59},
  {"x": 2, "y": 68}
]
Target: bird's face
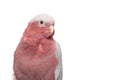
[{"x": 42, "y": 24}]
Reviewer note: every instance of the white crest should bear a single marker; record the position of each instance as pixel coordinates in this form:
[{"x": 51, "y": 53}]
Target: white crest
[{"x": 43, "y": 17}]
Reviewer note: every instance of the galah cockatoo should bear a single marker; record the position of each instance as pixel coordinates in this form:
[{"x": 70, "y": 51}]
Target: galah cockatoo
[{"x": 38, "y": 55}]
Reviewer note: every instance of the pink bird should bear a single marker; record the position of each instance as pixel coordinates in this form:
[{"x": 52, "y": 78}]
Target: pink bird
[{"x": 38, "y": 55}]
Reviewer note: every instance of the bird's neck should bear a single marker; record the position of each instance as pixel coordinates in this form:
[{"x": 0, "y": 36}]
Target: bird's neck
[{"x": 44, "y": 47}]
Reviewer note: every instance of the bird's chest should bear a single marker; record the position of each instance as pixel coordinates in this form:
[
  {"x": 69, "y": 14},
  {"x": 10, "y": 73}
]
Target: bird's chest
[
  {"x": 41, "y": 65},
  {"x": 46, "y": 48},
  {"x": 38, "y": 69}
]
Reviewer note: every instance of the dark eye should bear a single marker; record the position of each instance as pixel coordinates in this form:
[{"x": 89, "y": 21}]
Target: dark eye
[{"x": 41, "y": 22}]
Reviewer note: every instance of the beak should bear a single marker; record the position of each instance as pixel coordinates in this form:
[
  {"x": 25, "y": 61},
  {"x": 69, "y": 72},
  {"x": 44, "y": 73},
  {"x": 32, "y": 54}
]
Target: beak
[{"x": 51, "y": 29}]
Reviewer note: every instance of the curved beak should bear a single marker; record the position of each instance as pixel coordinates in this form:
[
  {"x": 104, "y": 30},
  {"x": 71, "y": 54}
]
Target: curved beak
[{"x": 51, "y": 29}]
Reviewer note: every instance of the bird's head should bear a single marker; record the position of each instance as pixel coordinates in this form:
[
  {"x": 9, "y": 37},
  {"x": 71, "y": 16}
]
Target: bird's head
[{"x": 42, "y": 24}]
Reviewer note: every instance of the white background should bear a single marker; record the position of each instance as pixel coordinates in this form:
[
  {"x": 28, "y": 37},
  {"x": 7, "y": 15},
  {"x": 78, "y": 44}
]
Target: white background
[{"x": 87, "y": 30}]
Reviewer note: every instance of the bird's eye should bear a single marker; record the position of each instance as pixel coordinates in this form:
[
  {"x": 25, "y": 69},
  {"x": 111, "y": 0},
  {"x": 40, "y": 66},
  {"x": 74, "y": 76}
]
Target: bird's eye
[{"x": 41, "y": 22}]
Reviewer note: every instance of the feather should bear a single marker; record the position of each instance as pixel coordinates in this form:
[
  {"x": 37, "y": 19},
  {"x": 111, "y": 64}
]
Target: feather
[{"x": 58, "y": 70}]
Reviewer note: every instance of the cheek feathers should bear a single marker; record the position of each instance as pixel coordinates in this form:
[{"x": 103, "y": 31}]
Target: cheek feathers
[{"x": 35, "y": 30}]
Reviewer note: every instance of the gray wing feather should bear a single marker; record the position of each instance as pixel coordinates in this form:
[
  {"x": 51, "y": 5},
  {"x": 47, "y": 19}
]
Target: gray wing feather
[{"x": 58, "y": 71}]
